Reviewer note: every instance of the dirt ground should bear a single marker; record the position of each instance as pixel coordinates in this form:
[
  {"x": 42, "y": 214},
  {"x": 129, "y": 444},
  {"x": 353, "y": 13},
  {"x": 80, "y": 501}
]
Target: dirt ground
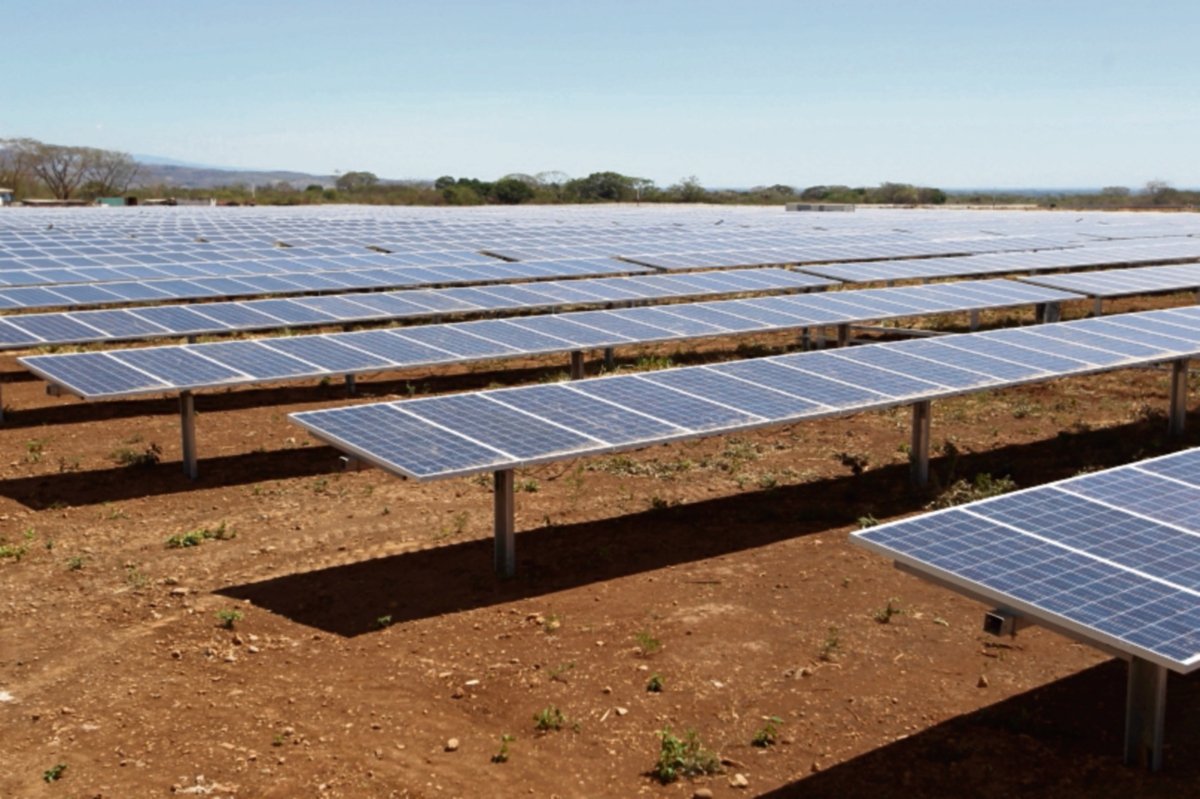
[{"x": 368, "y": 629}]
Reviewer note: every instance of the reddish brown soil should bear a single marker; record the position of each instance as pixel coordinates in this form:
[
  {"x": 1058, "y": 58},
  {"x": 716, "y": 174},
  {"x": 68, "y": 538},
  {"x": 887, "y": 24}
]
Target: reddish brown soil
[{"x": 730, "y": 552}]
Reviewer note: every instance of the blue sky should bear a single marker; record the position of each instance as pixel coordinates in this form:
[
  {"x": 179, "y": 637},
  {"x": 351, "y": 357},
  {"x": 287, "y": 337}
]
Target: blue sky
[{"x": 978, "y": 94}]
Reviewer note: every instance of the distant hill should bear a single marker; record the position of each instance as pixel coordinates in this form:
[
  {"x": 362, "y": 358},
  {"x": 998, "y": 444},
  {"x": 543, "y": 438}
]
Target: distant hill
[{"x": 200, "y": 177}]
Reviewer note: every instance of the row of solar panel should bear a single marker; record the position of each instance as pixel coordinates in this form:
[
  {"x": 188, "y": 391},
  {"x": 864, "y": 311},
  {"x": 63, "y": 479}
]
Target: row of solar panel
[
  {"x": 503, "y": 429},
  {"x": 97, "y": 375},
  {"x": 77, "y": 327},
  {"x": 1123, "y": 282},
  {"x": 83, "y": 294},
  {"x": 1099, "y": 254},
  {"x": 1114, "y": 554}
]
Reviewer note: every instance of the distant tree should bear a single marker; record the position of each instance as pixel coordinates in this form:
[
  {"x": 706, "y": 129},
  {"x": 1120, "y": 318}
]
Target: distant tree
[
  {"x": 314, "y": 187},
  {"x": 357, "y": 181},
  {"x": 443, "y": 182},
  {"x": 461, "y": 195},
  {"x": 511, "y": 191},
  {"x": 1115, "y": 192},
  {"x": 780, "y": 188},
  {"x": 109, "y": 173},
  {"x": 62, "y": 169},
  {"x": 815, "y": 193},
  {"x": 16, "y": 165},
  {"x": 688, "y": 190},
  {"x": 641, "y": 187},
  {"x": 601, "y": 186}
]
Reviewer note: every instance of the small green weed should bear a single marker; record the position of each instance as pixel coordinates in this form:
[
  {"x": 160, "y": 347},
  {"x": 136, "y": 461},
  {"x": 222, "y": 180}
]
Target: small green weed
[
  {"x": 655, "y": 686},
  {"x": 228, "y": 617},
  {"x": 884, "y": 614},
  {"x": 383, "y": 622},
  {"x": 647, "y": 643},
  {"x": 34, "y": 450},
  {"x": 831, "y": 646},
  {"x": 55, "y": 773},
  {"x": 528, "y": 486},
  {"x": 549, "y": 719},
  {"x": 128, "y": 457},
  {"x": 503, "y": 754},
  {"x": 964, "y": 491},
  {"x": 768, "y": 734},
  {"x": 133, "y": 577},
  {"x": 868, "y": 521},
  {"x": 856, "y": 462},
  {"x": 75, "y": 563},
  {"x": 684, "y": 757},
  {"x": 198, "y": 537}
]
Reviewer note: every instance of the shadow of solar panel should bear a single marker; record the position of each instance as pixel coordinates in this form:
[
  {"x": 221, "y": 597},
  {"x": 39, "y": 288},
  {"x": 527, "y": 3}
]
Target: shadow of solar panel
[
  {"x": 726, "y": 390},
  {"x": 663, "y": 403},
  {"x": 499, "y": 426},
  {"x": 254, "y": 359},
  {"x": 584, "y": 414},
  {"x": 91, "y": 374},
  {"x": 404, "y": 442},
  {"x": 801, "y": 384},
  {"x": 177, "y": 366}
]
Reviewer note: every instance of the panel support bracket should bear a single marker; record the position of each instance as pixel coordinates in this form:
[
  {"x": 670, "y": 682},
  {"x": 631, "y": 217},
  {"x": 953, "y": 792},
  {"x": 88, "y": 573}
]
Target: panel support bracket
[
  {"x": 1179, "y": 386},
  {"x": 506, "y": 546},
  {"x": 577, "y": 365},
  {"x": 919, "y": 454},
  {"x": 187, "y": 422},
  {"x": 610, "y": 360},
  {"x": 843, "y": 336},
  {"x": 974, "y": 319},
  {"x": 351, "y": 387},
  {"x": 1098, "y": 306},
  {"x": 1145, "y": 710}
]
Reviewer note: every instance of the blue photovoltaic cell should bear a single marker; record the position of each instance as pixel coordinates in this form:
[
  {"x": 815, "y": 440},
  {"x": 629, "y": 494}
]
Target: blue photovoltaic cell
[
  {"x": 571, "y": 409},
  {"x": 338, "y": 307},
  {"x": 1047, "y": 343},
  {"x": 33, "y": 297},
  {"x": 567, "y": 330},
  {"x": 519, "y": 338},
  {"x": 763, "y": 316},
  {"x": 13, "y": 335},
  {"x": 455, "y": 341},
  {"x": 178, "y": 320},
  {"x": 711, "y": 316},
  {"x": 391, "y": 304},
  {"x": 498, "y": 426},
  {"x": 177, "y": 366},
  {"x": 799, "y": 384},
  {"x": 326, "y": 353},
  {"x": 96, "y": 374},
  {"x": 416, "y": 446},
  {"x": 1157, "y": 338},
  {"x": 1043, "y": 362},
  {"x": 997, "y": 368},
  {"x": 1147, "y": 494},
  {"x": 86, "y": 294},
  {"x": 1096, "y": 338},
  {"x": 237, "y": 315},
  {"x": 662, "y": 403},
  {"x": 119, "y": 323},
  {"x": 395, "y": 348},
  {"x": 675, "y": 324},
  {"x": 293, "y": 312},
  {"x": 751, "y": 398},
  {"x": 921, "y": 368},
  {"x": 1184, "y": 467},
  {"x": 612, "y": 322},
  {"x": 832, "y": 366},
  {"x": 255, "y": 360},
  {"x": 54, "y": 328}
]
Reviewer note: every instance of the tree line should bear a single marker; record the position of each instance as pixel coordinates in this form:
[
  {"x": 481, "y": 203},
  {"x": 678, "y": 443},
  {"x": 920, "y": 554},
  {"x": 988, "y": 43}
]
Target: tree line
[{"x": 34, "y": 169}]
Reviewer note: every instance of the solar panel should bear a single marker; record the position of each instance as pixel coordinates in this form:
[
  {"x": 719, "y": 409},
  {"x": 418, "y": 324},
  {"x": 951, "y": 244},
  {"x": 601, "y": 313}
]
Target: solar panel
[{"x": 1112, "y": 556}]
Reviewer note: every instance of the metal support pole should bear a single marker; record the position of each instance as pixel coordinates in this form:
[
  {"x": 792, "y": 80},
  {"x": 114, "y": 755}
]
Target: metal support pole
[
  {"x": 974, "y": 320},
  {"x": 843, "y": 336},
  {"x": 610, "y": 359},
  {"x": 191, "y": 339},
  {"x": 187, "y": 421},
  {"x": 1039, "y": 313},
  {"x": 1145, "y": 709},
  {"x": 919, "y": 455},
  {"x": 351, "y": 388},
  {"x": 577, "y": 365},
  {"x": 506, "y": 548},
  {"x": 1, "y": 402},
  {"x": 1052, "y": 313},
  {"x": 805, "y": 339},
  {"x": 1179, "y": 386},
  {"x": 1098, "y": 306}
]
